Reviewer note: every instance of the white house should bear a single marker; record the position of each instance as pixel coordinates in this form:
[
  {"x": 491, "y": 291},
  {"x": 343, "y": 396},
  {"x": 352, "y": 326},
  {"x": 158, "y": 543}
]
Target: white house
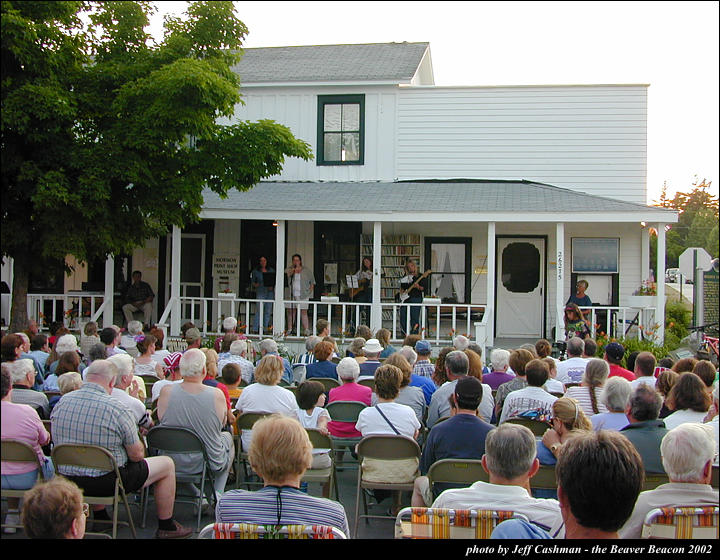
[{"x": 510, "y": 194}]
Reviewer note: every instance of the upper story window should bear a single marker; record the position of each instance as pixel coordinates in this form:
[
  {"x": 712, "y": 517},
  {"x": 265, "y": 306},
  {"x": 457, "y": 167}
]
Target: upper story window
[{"x": 341, "y": 130}]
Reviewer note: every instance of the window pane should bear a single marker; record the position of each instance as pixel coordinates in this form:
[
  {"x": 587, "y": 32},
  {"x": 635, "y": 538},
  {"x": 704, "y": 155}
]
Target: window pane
[
  {"x": 332, "y": 147},
  {"x": 332, "y": 118},
  {"x": 351, "y": 117},
  {"x": 521, "y": 267},
  {"x": 351, "y": 146}
]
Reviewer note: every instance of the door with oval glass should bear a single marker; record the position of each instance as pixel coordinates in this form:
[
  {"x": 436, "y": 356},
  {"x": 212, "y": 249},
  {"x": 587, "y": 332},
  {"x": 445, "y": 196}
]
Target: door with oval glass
[{"x": 520, "y": 301}]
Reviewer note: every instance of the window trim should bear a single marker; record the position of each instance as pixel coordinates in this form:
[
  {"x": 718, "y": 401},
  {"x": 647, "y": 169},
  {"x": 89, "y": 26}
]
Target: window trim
[{"x": 339, "y": 99}]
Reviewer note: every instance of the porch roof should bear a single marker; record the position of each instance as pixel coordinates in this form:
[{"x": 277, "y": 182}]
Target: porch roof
[{"x": 458, "y": 200}]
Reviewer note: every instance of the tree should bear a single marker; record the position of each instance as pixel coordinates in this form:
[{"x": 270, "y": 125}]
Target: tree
[
  {"x": 109, "y": 137},
  {"x": 697, "y": 224}
]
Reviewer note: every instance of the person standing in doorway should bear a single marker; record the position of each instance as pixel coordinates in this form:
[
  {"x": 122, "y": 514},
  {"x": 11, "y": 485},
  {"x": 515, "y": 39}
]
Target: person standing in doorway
[
  {"x": 263, "y": 291},
  {"x": 302, "y": 284}
]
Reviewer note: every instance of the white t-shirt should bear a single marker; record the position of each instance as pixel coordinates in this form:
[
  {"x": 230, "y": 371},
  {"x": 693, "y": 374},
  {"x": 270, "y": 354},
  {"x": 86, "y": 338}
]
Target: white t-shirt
[
  {"x": 296, "y": 285},
  {"x": 684, "y": 417},
  {"x": 265, "y": 398},
  {"x": 554, "y": 386},
  {"x": 571, "y": 370},
  {"x": 159, "y": 385},
  {"x": 371, "y": 422},
  {"x": 582, "y": 396},
  {"x": 529, "y": 398},
  {"x": 645, "y": 379},
  {"x": 311, "y": 421},
  {"x": 137, "y": 408}
]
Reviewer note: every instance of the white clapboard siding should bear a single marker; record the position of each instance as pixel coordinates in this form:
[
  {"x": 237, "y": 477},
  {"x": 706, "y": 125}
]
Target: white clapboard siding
[{"x": 586, "y": 138}]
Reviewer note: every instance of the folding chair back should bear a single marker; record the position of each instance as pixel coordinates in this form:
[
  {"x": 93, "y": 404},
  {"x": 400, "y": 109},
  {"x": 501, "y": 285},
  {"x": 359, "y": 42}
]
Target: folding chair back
[
  {"x": 537, "y": 427},
  {"x": 714, "y": 481},
  {"x": 251, "y": 531},
  {"x": 439, "y": 523},
  {"x": 681, "y": 523},
  {"x": 344, "y": 411},
  {"x": 544, "y": 479},
  {"x": 369, "y": 382},
  {"x": 244, "y": 422},
  {"x": 328, "y": 475},
  {"x": 653, "y": 480},
  {"x": 327, "y": 382},
  {"x": 455, "y": 473},
  {"x": 95, "y": 457},
  {"x": 18, "y": 452}
]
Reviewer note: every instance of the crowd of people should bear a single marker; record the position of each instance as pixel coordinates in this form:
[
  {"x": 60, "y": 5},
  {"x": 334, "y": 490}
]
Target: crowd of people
[{"x": 610, "y": 417}]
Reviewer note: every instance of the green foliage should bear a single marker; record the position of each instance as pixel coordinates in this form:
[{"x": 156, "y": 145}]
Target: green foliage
[
  {"x": 634, "y": 345},
  {"x": 108, "y": 137},
  {"x": 677, "y": 320}
]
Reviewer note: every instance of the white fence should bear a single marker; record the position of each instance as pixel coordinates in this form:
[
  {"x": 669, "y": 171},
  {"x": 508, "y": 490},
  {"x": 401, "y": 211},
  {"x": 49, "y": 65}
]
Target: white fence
[
  {"x": 72, "y": 309},
  {"x": 622, "y": 322}
]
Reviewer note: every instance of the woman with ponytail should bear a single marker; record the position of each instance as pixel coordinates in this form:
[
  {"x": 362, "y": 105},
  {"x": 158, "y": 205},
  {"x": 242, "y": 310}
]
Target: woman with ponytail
[{"x": 588, "y": 392}]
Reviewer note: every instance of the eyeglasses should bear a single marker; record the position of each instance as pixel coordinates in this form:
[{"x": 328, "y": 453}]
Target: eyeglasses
[{"x": 86, "y": 509}]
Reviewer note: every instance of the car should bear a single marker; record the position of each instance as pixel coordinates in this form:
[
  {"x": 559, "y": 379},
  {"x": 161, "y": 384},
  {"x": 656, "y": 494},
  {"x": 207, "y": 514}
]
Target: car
[{"x": 672, "y": 275}]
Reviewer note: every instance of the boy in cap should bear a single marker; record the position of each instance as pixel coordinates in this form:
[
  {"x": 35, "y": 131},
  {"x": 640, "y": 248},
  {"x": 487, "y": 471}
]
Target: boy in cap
[
  {"x": 423, "y": 367},
  {"x": 614, "y": 353}
]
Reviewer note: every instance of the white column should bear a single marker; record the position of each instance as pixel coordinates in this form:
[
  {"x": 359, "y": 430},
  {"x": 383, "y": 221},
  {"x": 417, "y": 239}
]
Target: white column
[
  {"x": 375, "y": 309},
  {"x": 278, "y": 307},
  {"x": 175, "y": 282},
  {"x": 660, "y": 278},
  {"x": 490, "y": 279},
  {"x": 109, "y": 295},
  {"x": 560, "y": 280},
  {"x": 644, "y": 253}
]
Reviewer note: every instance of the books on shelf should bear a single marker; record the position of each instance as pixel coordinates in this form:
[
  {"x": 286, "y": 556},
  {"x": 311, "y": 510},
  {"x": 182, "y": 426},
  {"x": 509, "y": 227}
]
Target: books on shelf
[{"x": 394, "y": 252}]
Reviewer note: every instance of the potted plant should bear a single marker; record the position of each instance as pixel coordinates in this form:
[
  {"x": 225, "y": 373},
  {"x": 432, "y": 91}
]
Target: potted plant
[{"x": 644, "y": 296}]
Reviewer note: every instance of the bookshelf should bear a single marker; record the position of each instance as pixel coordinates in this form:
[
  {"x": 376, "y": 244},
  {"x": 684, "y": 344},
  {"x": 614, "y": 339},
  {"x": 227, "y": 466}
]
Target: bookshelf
[{"x": 394, "y": 251}]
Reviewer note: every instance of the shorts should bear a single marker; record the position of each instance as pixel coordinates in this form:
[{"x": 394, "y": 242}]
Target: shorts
[
  {"x": 422, "y": 484},
  {"x": 299, "y": 305},
  {"x": 27, "y": 480},
  {"x": 133, "y": 476}
]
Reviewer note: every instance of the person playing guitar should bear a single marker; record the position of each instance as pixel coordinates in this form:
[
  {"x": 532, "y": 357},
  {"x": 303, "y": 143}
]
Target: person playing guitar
[{"x": 412, "y": 287}]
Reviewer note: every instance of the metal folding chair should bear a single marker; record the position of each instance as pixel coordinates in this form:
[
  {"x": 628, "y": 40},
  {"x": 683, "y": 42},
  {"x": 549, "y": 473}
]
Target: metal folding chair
[
  {"x": 18, "y": 452},
  {"x": 455, "y": 473},
  {"x": 440, "y": 523},
  {"x": 245, "y": 422},
  {"x": 537, "y": 427},
  {"x": 251, "y": 531},
  {"x": 324, "y": 476},
  {"x": 344, "y": 411}
]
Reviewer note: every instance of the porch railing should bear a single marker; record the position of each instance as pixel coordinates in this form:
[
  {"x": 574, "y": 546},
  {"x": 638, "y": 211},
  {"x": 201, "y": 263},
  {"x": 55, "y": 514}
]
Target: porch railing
[
  {"x": 71, "y": 308},
  {"x": 622, "y": 322}
]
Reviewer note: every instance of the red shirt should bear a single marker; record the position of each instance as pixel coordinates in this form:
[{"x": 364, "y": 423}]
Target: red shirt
[{"x": 618, "y": 371}]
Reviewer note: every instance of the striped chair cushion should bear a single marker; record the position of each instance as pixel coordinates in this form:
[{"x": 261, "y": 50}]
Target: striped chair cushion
[
  {"x": 428, "y": 523},
  {"x": 251, "y": 531},
  {"x": 681, "y": 523}
]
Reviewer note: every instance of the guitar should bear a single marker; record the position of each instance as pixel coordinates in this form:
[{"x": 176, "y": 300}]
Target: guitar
[{"x": 404, "y": 293}]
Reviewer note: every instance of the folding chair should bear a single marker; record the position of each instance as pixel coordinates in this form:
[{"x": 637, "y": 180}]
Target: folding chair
[
  {"x": 455, "y": 473},
  {"x": 681, "y": 523},
  {"x": 166, "y": 439},
  {"x": 324, "y": 476},
  {"x": 95, "y": 457},
  {"x": 149, "y": 380},
  {"x": 544, "y": 479},
  {"x": 440, "y": 523},
  {"x": 653, "y": 480},
  {"x": 537, "y": 427},
  {"x": 18, "y": 451},
  {"x": 250, "y": 531},
  {"x": 714, "y": 481},
  {"x": 344, "y": 411},
  {"x": 245, "y": 422},
  {"x": 387, "y": 448},
  {"x": 327, "y": 382},
  {"x": 369, "y": 382},
  {"x": 557, "y": 394}
]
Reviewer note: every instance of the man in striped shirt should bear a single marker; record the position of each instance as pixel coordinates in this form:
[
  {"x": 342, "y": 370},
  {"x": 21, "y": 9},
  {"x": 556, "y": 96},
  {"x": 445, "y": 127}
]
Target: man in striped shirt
[{"x": 423, "y": 366}]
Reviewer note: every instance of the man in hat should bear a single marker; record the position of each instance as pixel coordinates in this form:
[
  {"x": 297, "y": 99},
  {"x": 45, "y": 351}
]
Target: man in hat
[
  {"x": 372, "y": 351},
  {"x": 193, "y": 338},
  {"x": 423, "y": 366},
  {"x": 462, "y": 436},
  {"x": 614, "y": 353}
]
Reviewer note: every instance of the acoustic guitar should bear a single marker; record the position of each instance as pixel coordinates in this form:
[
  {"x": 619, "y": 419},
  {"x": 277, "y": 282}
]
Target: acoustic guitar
[{"x": 404, "y": 293}]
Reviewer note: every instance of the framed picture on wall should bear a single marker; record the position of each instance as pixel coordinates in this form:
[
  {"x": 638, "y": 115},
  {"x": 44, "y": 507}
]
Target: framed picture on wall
[{"x": 598, "y": 255}]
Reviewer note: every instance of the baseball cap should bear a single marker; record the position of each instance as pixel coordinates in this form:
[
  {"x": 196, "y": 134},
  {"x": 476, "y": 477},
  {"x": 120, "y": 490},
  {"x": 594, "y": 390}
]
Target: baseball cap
[
  {"x": 192, "y": 334},
  {"x": 422, "y": 347},
  {"x": 468, "y": 388},
  {"x": 172, "y": 360},
  {"x": 615, "y": 350}
]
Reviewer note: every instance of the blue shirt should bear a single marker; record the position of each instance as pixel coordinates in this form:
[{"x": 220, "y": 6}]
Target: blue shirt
[
  {"x": 459, "y": 437},
  {"x": 368, "y": 368},
  {"x": 287, "y": 370},
  {"x": 584, "y": 301},
  {"x": 323, "y": 368},
  {"x": 426, "y": 384}
]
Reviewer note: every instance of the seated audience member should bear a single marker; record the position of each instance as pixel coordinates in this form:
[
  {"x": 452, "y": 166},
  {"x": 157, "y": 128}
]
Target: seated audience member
[
  {"x": 663, "y": 364},
  {"x": 203, "y": 409},
  {"x": 510, "y": 462},
  {"x": 533, "y": 401},
  {"x": 530, "y": 348},
  {"x": 39, "y": 352},
  {"x": 110, "y": 337},
  {"x": 23, "y": 379},
  {"x": 363, "y": 331},
  {"x": 383, "y": 336},
  {"x": 55, "y": 510},
  {"x": 587, "y": 393},
  {"x": 67, "y": 383},
  {"x": 371, "y": 350},
  {"x": 599, "y": 476},
  {"x": 280, "y": 453},
  {"x": 20, "y": 422},
  {"x": 423, "y": 367},
  {"x": 552, "y": 385},
  {"x": 232, "y": 377},
  {"x": 193, "y": 337},
  {"x": 644, "y": 430},
  {"x": 689, "y": 401},
  {"x": 614, "y": 353},
  {"x": 630, "y": 361},
  {"x": 475, "y": 347},
  {"x": 355, "y": 350},
  {"x": 687, "y": 455},
  {"x": 311, "y": 414},
  {"x": 336, "y": 350},
  {"x": 229, "y": 326},
  {"x": 348, "y": 371},
  {"x": 615, "y": 396},
  {"x": 211, "y": 374},
  {"x": 543, "y": 348},
  {"x": 322, "y": 328},
  {"x": 439, "y": 376},
  {"x": 308, "y": 357},
  {"x": 518, "y": 360},
  {"x": 568, "y": 421},
  {"x": 225, "y": 344},
  {"x": 92, "y": 406},
  {"x": 500, "y": 362},
  {"x": 68, "y": 361},
  {"x": 644, "y": 369},
  {"x": 456, "y": 367},
  {"x": 461, "y": 342},
  {"x": 65, "y": 343},
  {"x": 125, "y": 389},
  {"x": 684, "y": 364},
  {"x": 160, "y": 353},
  {"x": 171, "y": 372},
  {"x": 572, "y": 369},
  {"x": 475, "y": 367},
  {"x": 265, "y": 395},
  {"x": 268, "y": 347},
  {"x": 238, "y": 355},
  {"x": 89, "y": 337},
  {"x": 462, "y": 436},
  {"x": 712, "y": 420},
  {"x": 322, "y": 366},
  {"x": 96, "y": 352},
  {"x": 665, "y": 381},
  {"x": 129, "y": 341},
  {"x": 707, "y": 372},
  {"x": 12, "y": 347},
  {"x": 145, "y": 364},
  {"x": 408, "y": 395},
  {"x": 589, "y": 349},
  {"x": 426, "y": 384}
]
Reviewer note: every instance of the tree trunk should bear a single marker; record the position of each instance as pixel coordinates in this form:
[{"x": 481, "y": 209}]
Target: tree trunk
[{"x": 18, "y": 314}]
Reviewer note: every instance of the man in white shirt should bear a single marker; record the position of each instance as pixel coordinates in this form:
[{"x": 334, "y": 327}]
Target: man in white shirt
[
  {"x": 644, "y": 370},
  {"x": 687, "y": 455},
  {"x": 533, "y": 401},
  {"x": 510, "y": 460},
  {"x": 572, "y": 369},
  {"x": 237, "y": 355},
  {"x": 123, "y": 364}
]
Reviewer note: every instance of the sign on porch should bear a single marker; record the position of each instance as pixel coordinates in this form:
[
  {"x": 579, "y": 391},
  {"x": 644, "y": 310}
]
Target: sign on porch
[{"x": 226, "y": 271}]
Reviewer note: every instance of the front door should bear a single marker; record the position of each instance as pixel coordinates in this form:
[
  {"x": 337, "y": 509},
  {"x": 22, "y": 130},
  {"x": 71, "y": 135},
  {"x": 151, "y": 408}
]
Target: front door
[{"x": 520, "y": 287}]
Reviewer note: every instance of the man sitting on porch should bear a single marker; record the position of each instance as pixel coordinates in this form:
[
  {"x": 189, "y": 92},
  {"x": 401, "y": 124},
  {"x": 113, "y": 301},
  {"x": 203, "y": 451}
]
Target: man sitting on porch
[{"x": 138, "y": 297}]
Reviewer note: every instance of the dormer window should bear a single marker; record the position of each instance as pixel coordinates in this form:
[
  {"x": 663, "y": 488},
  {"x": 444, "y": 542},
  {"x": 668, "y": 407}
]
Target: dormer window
[{"x": 341, "y": 130}]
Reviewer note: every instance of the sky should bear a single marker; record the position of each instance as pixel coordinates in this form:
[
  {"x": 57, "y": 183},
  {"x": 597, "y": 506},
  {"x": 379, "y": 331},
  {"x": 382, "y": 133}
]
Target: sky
[{"x": 672, "y": 46}]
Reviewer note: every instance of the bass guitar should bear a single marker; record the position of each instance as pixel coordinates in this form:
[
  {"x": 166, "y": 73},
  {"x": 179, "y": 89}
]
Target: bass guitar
[{"x": 404, "y": 294}]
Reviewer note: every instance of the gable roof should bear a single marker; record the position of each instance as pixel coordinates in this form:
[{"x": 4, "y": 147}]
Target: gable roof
[
  {"x": 382, "y": 62},
  {"x": 427, "y": 200}
]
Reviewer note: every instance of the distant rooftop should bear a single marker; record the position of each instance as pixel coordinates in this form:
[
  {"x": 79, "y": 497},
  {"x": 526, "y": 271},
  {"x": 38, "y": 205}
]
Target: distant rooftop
[{"x": 383, "y": 62}]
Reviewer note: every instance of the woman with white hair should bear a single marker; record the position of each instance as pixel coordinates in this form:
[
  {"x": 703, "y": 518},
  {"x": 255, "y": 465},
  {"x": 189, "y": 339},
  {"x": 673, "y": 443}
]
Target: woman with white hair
[
  {"x": 65, "y": 343},
  {"x": 129, "y": 340},
  {"x": 348, "y": 370},
  {"x": 614, "y": 396}
]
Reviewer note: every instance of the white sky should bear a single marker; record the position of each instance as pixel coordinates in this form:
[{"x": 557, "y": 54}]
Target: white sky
[{"x": 673, "y": 46}]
